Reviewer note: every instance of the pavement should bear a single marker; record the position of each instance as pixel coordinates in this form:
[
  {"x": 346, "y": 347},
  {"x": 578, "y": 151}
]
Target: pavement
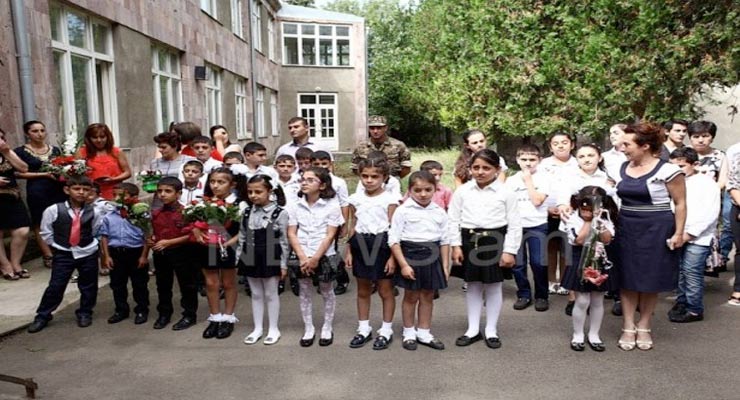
[{"x": 126, "y": 361}]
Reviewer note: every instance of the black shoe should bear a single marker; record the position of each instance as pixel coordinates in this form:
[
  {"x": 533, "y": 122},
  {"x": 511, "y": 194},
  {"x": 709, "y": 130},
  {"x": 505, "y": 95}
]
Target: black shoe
[
  {"x": 83, "y": 321},
  {"x": 183, "y": 323},
  {"x": 687, "y": 317},
  {"x": 162, "y": 321},
  {"x": 396, "y": 292},
  {"x": 141, "y": 318},
  {"x": 359, "y": 340},
  {"x": 224, "y": 330},
  {"x": 294, "y": 287},
  {"x": 281, "y": 287},
  {"x": 541, "y": 305},
  {"x": 677, "y": 310},
  {"x": 522, "y": 303},
  {"x": 577, "y": 346},
  {"x": 382, "y": 342},
  {"x": 435, "y": 344},
  {"x": 247, "y": 289},
  {"x": 617, "y": 308},
  {"x": 117, "y": 317},
  {"x": 409, "y": 344},
  {"x": 493, "y": 343},
  {"x": 307, "y": 342},
  {"x": 211, "y": 330},
  {"x": 37, "y": 325},
  {"x": 569, "y": 308},
  {"x": 463, "y": 340},
  {"x": 326, "y": 342},
  {"x": 202, "y": 291},
  {"x": 436, "y": 295},
  {"x": 598, "y": 347},
  {"x": 340, "y": 289}
]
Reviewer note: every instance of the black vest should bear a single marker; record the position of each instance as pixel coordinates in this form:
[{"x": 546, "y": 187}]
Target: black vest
[{"x": 63, "y": 225}]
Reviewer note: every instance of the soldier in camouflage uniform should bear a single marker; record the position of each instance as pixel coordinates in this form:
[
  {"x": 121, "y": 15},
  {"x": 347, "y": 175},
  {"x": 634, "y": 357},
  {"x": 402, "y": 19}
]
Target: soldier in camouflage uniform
[{"x": 398, "y": 154}]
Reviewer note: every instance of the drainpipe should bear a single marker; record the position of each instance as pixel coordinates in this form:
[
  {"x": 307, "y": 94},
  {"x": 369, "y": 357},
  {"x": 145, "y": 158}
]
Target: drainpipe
[
  {"x": 253, "y": 60},
  {"x": 23, "y": 49}
]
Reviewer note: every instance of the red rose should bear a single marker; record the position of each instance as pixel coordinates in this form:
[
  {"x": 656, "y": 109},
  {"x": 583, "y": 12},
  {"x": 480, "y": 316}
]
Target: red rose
[
  {"x": 124, "y": 213},
  {"x": 194, "y": 202},
  {"x": 220, "y": 203}
]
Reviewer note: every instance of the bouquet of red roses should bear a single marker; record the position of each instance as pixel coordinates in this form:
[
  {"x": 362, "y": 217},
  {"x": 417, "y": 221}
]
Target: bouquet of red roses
[
  {"x": 595, "y": 265},
  {"x": 212, "y": 216},
  {"x": 67, "y": 164},
  {"x": 135, "y": 212}
]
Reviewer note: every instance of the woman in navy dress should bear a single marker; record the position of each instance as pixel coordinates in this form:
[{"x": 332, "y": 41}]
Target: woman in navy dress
[{"x": 650, "y": 233}]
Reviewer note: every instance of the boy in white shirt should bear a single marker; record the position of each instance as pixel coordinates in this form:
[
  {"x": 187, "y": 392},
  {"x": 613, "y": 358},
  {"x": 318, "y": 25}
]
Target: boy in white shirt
[
  {"x": 201, "y": 145},
  {"x": 702, "y": 205},
  {"x": 193, "y": 182},
  {"x": 532, "y": 191},
  {"x": 288, "y": 177},
  {"x": 255, "y": 155}
]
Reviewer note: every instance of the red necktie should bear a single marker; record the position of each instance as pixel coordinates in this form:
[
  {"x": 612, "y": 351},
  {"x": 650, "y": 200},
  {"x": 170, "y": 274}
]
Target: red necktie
[{"x": 74, "y": 233}]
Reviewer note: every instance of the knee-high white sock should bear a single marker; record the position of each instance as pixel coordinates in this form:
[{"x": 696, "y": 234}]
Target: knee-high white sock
[
  {"x": 273, "y": 304},
  {"x": 596, "y": 316},
  {"x": 474, "y": 301},
  {"x": 306, "y": 300},
  {"x": 579, "y": 315},
  {"x": 258, "y": 304},
  {"x": 330, "y": 301},
  {"x": 494, "y": 302}
]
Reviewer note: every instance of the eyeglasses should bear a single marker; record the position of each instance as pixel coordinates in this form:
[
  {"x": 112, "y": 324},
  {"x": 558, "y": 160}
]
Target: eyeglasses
[{"x": 309, "y": 180}]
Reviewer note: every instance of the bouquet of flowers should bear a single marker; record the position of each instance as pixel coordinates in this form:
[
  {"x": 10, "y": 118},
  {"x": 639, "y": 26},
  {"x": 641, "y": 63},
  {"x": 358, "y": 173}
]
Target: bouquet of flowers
[
  {"x": 211, "y": 216},
  {"x": 595, "y": 265},
  {"x": 149, "y": 179},
  {"x": 136, "y": 212},
  {"x": 67, "y": 164}
]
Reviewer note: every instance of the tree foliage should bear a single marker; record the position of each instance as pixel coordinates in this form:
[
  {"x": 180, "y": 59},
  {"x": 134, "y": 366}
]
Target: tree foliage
[{"x": 302, "y": 3}]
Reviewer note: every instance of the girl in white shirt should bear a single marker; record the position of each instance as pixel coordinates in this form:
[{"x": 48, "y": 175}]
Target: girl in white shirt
[
  {"x": 419, "y": 243},
  {"x": 368, "y": 254},
  {"x": 312, "y": 227},
  {"x": 485, "y": 232}
]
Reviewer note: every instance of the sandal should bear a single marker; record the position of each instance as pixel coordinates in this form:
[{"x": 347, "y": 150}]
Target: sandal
[
  {"x": 734, "y": 301},
  {"x": 23, "y": 274},
  {"x": 628, "y": 345},
  {"x": 10, "y": 276},
  {"x": 644, "y": 345},
  {"x": 47, "y": 261},
  {"x": 562, "y": 291}
]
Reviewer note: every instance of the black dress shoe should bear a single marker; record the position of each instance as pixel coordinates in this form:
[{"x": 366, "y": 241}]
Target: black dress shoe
[
  {"x": 382, "y": 342},
  {"x": 211, "y": 330},
  {"x": 522, "y": 303},
  {"x": 409, "y": 344},
  {"x": 617, "y": 308},
  {"x": 359, "y": 340},
  {"x": 37, "y": 325},
  {"x": 183, "y": 323},
  {"x": 541, "y": 305},
  {"x": 326, "y": 342},
  {"x": 463, "y": 340},
  {"x": 599, "y": 347},
  {"x": 294, "y": 287},
  {"x": 686, "y": 317},
  {"x": 83, "y": 321},
  {"x": 117, "y": 317},
  {"x": 577, "y": 346},
  {"x": 569, "y": 308},
  {"x": 493, "y": 343},
  {"x": 162, "y": 321},
  {"x": 141, "y": 318},
  {"x": 224, "y": 330},
  {"x": 307, "y": 342},
  {"x": 340, "y": 289},
  {"x": 281, "y": 287},
  {"x": 435, "y": 344}
]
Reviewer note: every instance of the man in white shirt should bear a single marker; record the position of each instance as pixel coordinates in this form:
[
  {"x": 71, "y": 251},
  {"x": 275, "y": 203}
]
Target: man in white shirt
[
  {"x": 299, "y": 131},
  {"x": 614, "y": 157}
]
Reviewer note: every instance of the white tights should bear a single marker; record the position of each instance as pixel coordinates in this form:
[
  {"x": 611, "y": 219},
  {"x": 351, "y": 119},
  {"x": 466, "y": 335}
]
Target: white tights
[
  {"x": 306, "y": 300},
  {"x": 584, "y": 300},
  {"x": 494, "y": 301},
  {"x": 265, "y": 291}
]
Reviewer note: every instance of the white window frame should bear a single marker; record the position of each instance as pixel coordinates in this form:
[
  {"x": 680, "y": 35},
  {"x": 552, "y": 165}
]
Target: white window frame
[
  {"x": 240, "y": 98},
  {"x": 106, "y": 99},
  {"x": 257, "y": 25},
  {"x": 317, "y": 37},
  {"x": 210, "y": 7},
  {"x": 173, "y": 81},
  {"x": 237, "y": 23},
  {"x": 274, "y": 113},
  {"x": 271, "y": 39},
  {"x": 259, "y": 112},
  {"x": 315, "y": 123},
  {"x": 213, "y": 95}
]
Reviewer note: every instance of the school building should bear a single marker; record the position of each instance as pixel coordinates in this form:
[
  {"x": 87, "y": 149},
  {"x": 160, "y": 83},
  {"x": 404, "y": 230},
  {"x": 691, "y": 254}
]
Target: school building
[{"x": 138, "y": 65}]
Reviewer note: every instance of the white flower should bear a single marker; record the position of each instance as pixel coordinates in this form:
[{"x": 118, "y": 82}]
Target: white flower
[
  {"x": 239, "y": 169},
  {"x": 70, "y": 143}
]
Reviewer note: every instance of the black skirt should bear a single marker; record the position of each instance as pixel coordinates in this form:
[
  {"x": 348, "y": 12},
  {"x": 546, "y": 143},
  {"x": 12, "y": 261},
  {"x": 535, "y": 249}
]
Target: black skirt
[
  {"x": 370, "y": 253},
  {"x": 326, "y": 271},
  {"x": 482, "y": 250},
  {"x": 256, "y": 261},
  {"x": 572, "y": 277},
  {"x": 424, "y": 259},
  {"x": 13, "y": 213},
  {"x": 212, "y": 258}
]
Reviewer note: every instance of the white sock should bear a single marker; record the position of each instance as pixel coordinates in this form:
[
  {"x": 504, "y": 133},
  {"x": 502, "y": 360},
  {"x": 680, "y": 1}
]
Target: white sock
[
  {"x": 215, "y": 317},
  {"x": 494, "y": 302},
  {"x": 474, "y": 302},
  {"x": 579, "y": 315},
  {"x": 386, "y": 330},
  {"x": 596, "y": 316},
  {"x": 364, "y": 328},
  {"x": 258, "y": 304},
  {"x": 273, "y": 305},
  {"x": 409, "y": 333},
  {"x": 424, "y": 335}
]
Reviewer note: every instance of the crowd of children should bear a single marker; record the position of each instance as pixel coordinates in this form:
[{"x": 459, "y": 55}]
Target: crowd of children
[{"x": 559, "y": 216}]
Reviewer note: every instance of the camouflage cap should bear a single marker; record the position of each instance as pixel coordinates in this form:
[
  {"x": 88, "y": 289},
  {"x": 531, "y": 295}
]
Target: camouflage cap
[{"x": 377, "y": 120}]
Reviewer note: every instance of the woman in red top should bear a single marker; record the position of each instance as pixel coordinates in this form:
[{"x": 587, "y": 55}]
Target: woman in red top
[{"x": 108, "y": 164}]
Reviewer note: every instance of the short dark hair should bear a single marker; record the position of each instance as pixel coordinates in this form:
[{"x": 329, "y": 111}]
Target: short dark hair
[
  {"x": 27, "y": 126},
  {"x": 487, "y": 155},
  {"x": 572, "y": 138},
  {"x": 78, "y": 180},
  {"x": 646, "y": 133},
  {"x": 296, "y": 119},
  {"x": 321, "y": 155},
  {"x": 234, "y": 154},
  {"x": 201, "y": 139},
  {"x": 284, "y": 158},
  {"x": 186, "y": 131},
  {"x": 169, "y": 138},
  {"x": 193, "y": 163},
  {"x": 424, "y": 176},
  {"x": 214, "y": 128},
  {"x": 698, "y": 127},
  {"x": 668, "y": 125},
  {"x": 171, "y": 181},
  {"x": 129, "y": 188},
  {"x": 429, "y": 165},
  {"x": 303, "y": 153},
  {"x": 253, "y": 147},
  {"x": 685, "y": 152},
  {"x": 529, "y": 149}
]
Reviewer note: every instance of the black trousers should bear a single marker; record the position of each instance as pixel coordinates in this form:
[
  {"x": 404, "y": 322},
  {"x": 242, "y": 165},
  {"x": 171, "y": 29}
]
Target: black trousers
[
  {"x": 63, "y": 265},
  {"x": 176, "y": 262},
  {"x": 125, "y": 267}
]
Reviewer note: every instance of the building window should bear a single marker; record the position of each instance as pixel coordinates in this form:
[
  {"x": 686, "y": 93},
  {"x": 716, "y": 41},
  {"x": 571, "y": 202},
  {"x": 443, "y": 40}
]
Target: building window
[
  {"x": 320, "y": 110},
  {"x": 167, "y": 88},
  {"x": 274, "y": 114},
  {"x": 259, "y": 112},
  {"x": 82, "y": 49},
  {"x": 213, "y": 95},
  {"x": 240, "y": 93},
  {"x": 271, "y": 39},
  {"x": 237, "y": 25},
  {"x": 210, "y": 7},
  {"x": 257, "y": 25},
  {"x": 313, "y": 44}
]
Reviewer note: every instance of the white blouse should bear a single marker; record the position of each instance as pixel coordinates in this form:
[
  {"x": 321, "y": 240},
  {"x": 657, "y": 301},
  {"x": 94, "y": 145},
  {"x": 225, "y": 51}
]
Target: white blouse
[
  {"x": 414, "y": 223},
  {"x": 371, "y": 212},
  {"x": 531, "y": 216},
  {"x": 313, "y": 221},
  {"x": 575, "y": 181}
]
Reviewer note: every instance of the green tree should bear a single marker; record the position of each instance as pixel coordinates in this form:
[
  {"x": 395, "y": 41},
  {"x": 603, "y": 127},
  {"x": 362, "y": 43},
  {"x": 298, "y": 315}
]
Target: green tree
[{"x": 302, "y": 3}]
